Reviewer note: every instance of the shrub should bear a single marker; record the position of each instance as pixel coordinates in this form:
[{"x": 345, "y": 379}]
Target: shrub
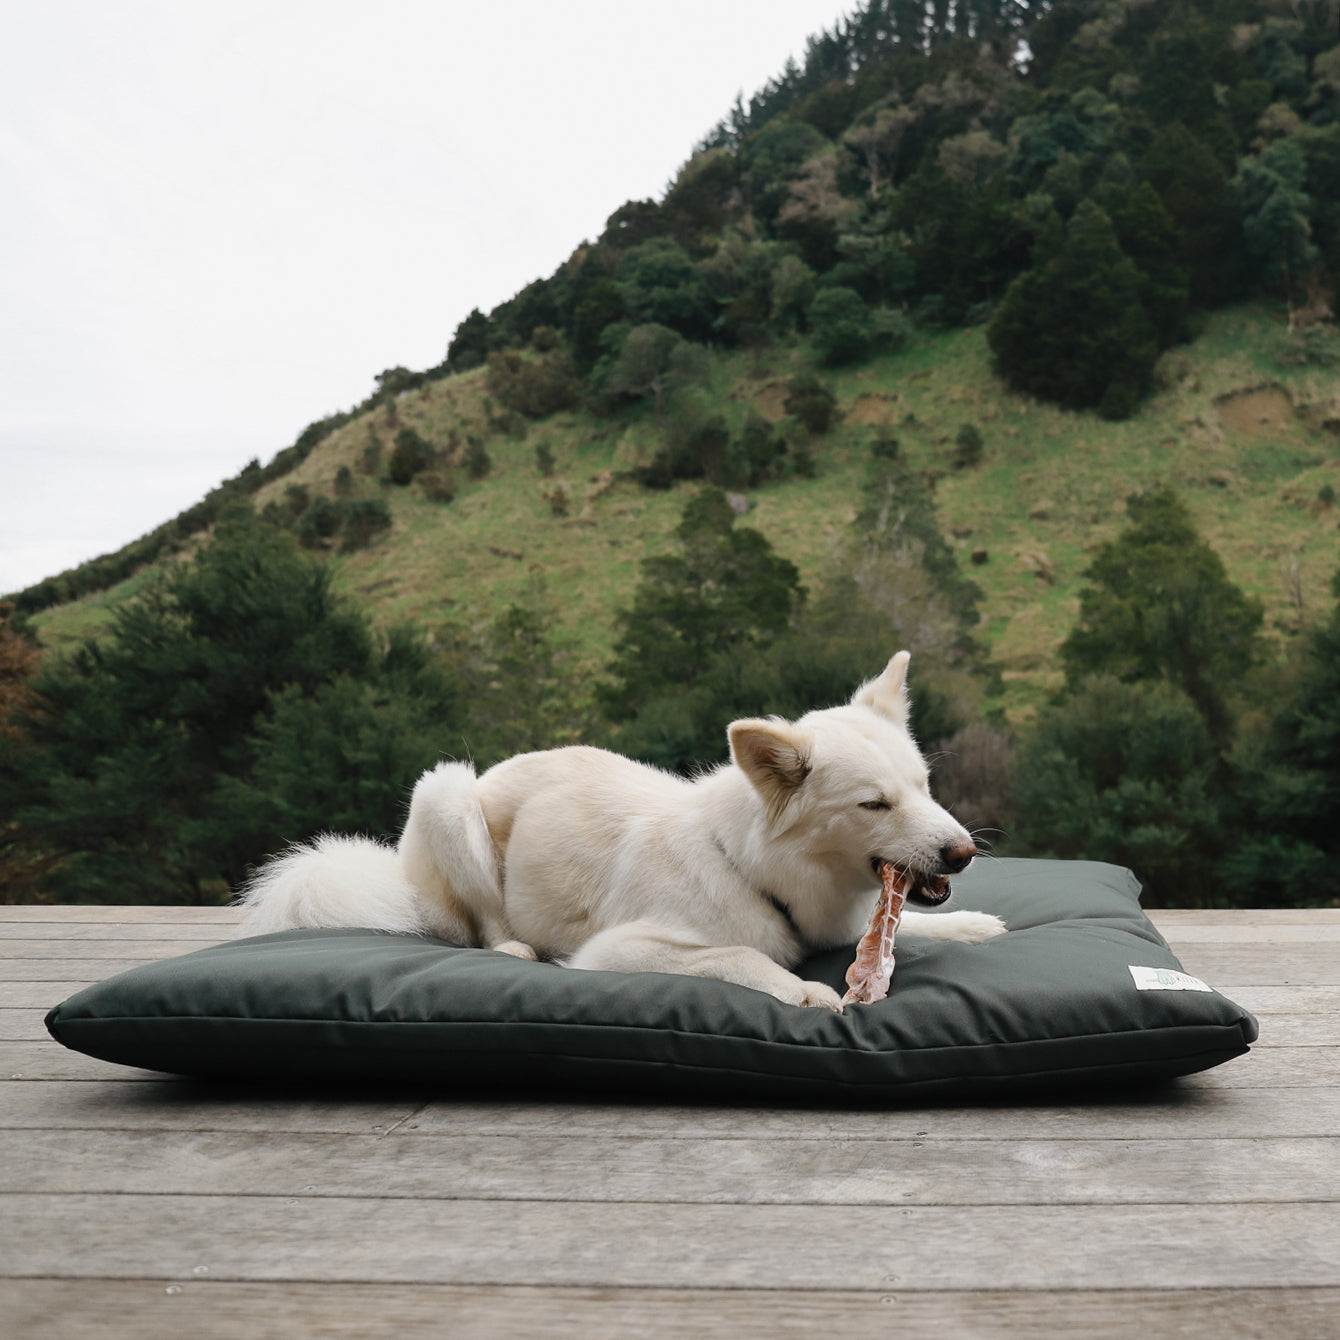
[
  {"x": 364, "y": 520},
  {"x": 811, "y": 402},
  {"x": 534, "y": 387},
  {"x": 438, "y": 485},
  {"x": 319, "y": 522},
  {"x": 344, "y": 482},
  {"x": 544, "y": 459},
  {"x": 696, "y": 447},
  {"x": 842, "y": 326},
  {"x": 412, "y": 454},
  {"x": 477, "y": 460},
  {"x": 968, "y": 447},
  {"x": 370, "y": 459}
]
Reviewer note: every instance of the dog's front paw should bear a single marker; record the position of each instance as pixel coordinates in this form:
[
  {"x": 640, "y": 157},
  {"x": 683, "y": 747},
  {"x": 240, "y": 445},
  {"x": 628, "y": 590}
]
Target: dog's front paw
[
  {"x": 971, "y": 928},
  {"x": 816, "y": 994},
  {"x": 517, "y": 949}
]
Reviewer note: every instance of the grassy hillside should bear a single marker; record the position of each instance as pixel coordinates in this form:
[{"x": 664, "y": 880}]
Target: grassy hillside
[{"x": 1249, "y": 440}]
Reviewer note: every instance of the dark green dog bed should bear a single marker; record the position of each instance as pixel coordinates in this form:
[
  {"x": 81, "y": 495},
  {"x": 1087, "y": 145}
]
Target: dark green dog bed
[{"x": 1082, "y": 991}]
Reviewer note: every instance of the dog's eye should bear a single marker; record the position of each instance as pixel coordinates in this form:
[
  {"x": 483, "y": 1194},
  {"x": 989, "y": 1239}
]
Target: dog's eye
[{"x": 880, "y": 804}]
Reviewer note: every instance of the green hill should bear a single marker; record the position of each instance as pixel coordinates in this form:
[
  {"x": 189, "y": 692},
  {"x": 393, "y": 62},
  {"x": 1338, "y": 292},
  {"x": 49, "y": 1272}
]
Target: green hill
[{"x": 1250, "y": 442}]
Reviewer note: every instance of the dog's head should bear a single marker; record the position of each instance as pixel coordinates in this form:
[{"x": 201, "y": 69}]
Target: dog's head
[{"x": 850, "y": 786}]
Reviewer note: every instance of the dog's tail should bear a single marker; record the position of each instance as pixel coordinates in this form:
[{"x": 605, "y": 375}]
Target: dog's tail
[
  {"x": 447, "y": 848},
  {"x": 338, "y": 881},
  {"x": 442, "y": 880}
]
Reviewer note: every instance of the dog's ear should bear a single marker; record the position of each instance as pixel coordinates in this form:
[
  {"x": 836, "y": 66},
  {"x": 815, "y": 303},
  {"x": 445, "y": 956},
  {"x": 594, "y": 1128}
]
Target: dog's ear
[
  {"x": 887, "y": 694},
  {"x": 774, "y": 755}
]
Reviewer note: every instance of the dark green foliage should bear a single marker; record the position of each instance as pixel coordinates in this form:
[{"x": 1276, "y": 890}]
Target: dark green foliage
[
  {"x": 723, "y": 588},
  {"x": 535, "y": 387},
  {"x": 364, "y": 520},
  {"x": 1073, "y": 329},
  {"x": 660, "y": 284},
  {"x": 696, "y": 446},
  {"x": 370, "y": 458},
  {"x": 965, "y": 244},
  {"x": 1148, "y": 236},
  {"x": 344, "y": 482},
  {"x": 142, "y": 748},
  {"x": 1122, "y": 772},
  {"x": 478, "y": 462},
  {"x": 841, "y": 326},
  {"x": 647, "y": 360},
  {"x": 1198, "y": 194},
  {"x": 517, "y": 678},
  {"x": 1275, "y": 222},
  {"x": 1287, "y": 783},
  {"x": 544, "y": 459},
  {"x": 471, "y": 343},
  {"x": 319, "y": 522},
  {"x": 770, "y": 160},
  {"x": 702, "y": 199},
  {"x": 601, "y": 307},
  {"x": 1321, "y": 153},
  {"x": 412, "y": 453},
  {"x": 811, "y": 401},
  {"x": 968, "y": 447},
  {"x": 438, "y": 485},
  {"x": 1160, "y": 606},
  {"x": 757, "y": 453},
  {"x": 514, "y": 322}
]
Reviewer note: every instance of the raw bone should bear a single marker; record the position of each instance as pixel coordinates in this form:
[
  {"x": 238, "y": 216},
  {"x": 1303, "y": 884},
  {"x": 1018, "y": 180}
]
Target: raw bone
[{"x": 869, "y": 976}]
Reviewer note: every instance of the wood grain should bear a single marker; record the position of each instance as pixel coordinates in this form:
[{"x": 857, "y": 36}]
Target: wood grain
[
  {"x": 149, "y": 1309},
  {"x": 101, "y": 914},
  {"x": 93, "y": 950},
  {"x": 1193, "y": 1111},
  {"x": 610, "y": 1169},
  {"x": 101, "y": 932},
  {"x": 83, "y": 970},
  {"x": 634, "y": 1245}
]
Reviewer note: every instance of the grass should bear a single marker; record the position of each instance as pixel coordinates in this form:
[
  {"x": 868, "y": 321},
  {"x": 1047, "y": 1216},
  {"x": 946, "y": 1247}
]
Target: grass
[{"x": 1242, "y": 437}]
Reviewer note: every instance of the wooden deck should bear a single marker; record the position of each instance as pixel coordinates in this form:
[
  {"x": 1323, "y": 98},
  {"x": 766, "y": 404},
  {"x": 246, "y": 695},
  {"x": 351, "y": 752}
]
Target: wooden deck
[{"x": 134, "y": 1204}]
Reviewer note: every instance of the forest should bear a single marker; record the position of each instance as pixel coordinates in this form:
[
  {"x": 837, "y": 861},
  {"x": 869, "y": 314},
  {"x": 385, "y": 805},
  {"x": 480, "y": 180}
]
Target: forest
[{"x": 1082, "y": 182}]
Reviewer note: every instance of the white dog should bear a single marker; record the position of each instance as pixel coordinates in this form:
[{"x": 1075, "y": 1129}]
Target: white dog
[{"x": 586, "y": 857}]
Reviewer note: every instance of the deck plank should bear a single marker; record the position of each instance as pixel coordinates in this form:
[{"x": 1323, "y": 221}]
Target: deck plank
[
  {"x": 825, "y": 1170},
  {"x": 149, "y": 1309},
  {"x": 579, "y": 1243},
  {"x": 1194, "y": 1110},
  {"x": 121, "y": 913},
  {"x": 92, "y": 950}
]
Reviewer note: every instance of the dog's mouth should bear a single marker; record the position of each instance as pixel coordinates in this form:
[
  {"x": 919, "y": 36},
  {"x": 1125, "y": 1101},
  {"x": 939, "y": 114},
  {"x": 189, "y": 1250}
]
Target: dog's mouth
[{"x": 928, "y": 890}]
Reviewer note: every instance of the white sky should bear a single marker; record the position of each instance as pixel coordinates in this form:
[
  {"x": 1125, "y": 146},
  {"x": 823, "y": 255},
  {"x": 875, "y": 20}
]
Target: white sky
[{"x": 220, "y": 219}]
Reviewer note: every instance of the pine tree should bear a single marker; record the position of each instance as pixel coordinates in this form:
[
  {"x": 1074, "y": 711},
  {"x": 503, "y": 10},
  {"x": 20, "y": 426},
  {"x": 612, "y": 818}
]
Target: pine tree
[
  {"x": 722, "y": 588},
  {"x": 1073, "y": 328},
  {"x": 157, "y": 763},
  {"x": 1160, "y": 606}
]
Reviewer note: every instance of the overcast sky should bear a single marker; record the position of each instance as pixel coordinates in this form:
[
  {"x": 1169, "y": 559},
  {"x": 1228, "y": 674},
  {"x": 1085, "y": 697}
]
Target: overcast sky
[{"x": 220, "y": 219}]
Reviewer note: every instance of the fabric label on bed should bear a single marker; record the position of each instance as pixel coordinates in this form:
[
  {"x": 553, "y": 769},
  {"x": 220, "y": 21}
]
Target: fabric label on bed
[{"x": 1164, "y": 979}]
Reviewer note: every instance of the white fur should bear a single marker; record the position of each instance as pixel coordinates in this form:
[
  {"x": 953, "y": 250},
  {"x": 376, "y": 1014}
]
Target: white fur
[{"x": 592, "y": 859}]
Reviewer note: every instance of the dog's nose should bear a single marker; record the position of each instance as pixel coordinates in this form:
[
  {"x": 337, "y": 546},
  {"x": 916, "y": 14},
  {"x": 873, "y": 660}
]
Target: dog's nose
[{"x": 956, "y": 855}]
